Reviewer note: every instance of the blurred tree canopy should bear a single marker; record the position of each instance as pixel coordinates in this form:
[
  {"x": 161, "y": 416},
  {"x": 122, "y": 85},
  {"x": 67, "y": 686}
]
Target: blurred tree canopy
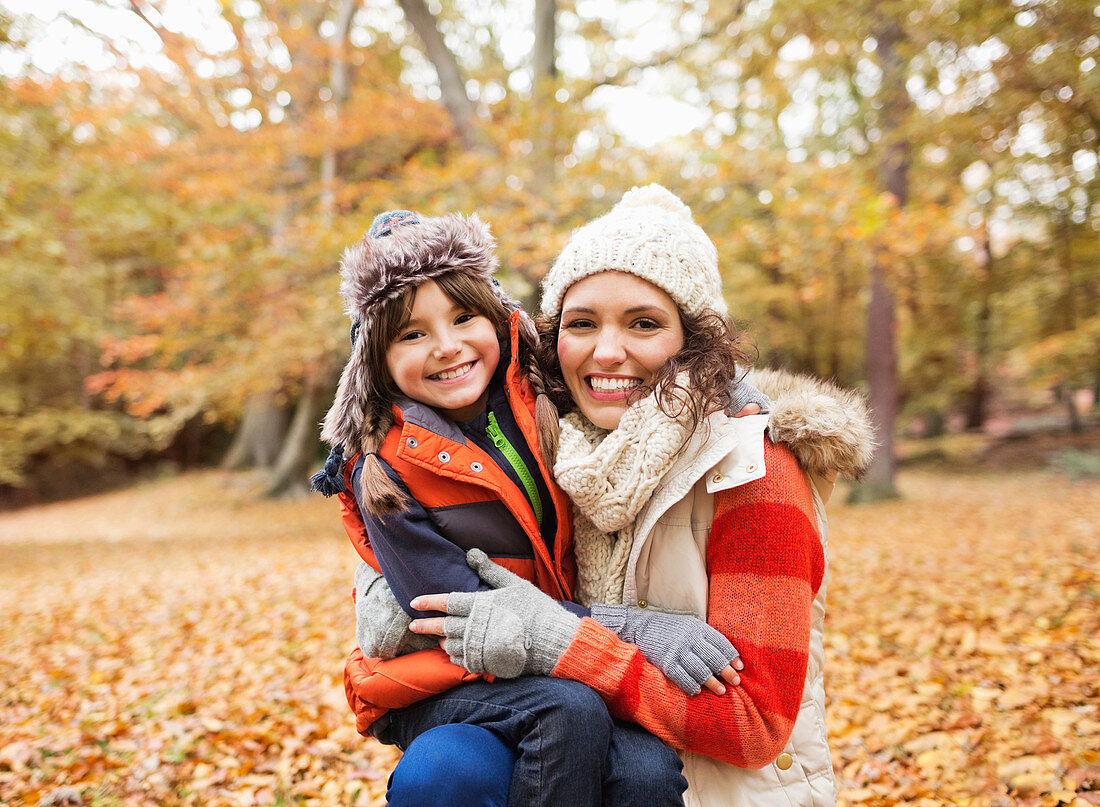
[{"x": 903, "y": 185}]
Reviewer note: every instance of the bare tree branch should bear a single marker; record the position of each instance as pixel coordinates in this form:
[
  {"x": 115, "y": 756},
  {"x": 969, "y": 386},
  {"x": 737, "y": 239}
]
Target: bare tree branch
[
  {"x": 451, "y": 84},
  {"x": 662, "y": 58}
]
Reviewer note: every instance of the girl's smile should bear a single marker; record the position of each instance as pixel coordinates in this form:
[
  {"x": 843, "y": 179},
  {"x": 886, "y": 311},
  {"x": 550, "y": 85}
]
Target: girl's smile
[{"x": 452, "y": 375}]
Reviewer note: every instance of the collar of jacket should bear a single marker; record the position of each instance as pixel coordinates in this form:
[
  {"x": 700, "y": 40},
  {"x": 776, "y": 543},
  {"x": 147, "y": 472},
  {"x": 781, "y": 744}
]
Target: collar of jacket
[{"x": 729, "y": 451}]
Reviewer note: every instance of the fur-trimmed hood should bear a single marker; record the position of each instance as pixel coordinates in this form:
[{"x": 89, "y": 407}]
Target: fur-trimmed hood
[
  {"x": 828, "y": 428},
  {"x": 408, "y": 252},
  {"x": 401, "y": 251}
]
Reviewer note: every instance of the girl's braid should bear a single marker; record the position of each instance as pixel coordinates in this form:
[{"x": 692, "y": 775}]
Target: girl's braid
[
  {"x": 546, "y": 414},
  {"x": 379, "y": 493}
]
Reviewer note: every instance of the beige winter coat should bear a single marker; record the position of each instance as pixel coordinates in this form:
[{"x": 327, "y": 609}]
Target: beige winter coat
[{"x": 828, "y": 431}]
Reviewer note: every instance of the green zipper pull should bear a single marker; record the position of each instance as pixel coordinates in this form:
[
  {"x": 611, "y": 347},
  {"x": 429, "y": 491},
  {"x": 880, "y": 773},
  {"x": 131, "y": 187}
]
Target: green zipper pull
[{"x": 514, "y": 459}]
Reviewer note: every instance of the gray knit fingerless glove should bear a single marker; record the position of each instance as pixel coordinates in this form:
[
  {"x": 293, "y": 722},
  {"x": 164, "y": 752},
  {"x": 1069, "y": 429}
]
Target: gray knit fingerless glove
[
  {"x": 381, "y": 624},
  {"x": 744, "y": 393},
  {"x": 686, "y": 649},
  {"x": 512, "y": 630}
]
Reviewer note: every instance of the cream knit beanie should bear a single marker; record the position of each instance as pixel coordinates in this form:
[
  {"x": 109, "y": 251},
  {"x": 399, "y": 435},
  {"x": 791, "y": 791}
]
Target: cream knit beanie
[{"x": 649, "y": 233}]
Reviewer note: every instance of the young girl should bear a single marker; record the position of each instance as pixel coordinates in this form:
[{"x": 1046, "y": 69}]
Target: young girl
[{"x": 437, "y": 406}]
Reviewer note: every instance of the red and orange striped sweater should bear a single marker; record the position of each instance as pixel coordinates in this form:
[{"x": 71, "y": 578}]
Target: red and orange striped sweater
[{"x": 764, "y": 565}]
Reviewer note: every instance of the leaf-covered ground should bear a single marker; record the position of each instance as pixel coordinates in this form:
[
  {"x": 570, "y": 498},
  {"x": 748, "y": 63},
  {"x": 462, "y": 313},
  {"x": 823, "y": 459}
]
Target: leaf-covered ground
[{"x": 182, "y": 643}]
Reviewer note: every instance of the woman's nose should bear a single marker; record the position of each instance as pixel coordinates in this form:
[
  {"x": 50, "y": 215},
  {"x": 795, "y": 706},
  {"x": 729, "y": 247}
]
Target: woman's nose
[{"x": 609, "y": 349}]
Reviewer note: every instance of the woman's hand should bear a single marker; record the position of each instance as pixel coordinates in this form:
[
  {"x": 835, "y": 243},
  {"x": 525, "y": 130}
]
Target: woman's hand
[
  {"x": 689, "y": 652},
  {"x": 513, "y": 630}
]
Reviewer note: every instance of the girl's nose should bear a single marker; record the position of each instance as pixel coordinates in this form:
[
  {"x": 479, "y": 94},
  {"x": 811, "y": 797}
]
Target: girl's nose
[{"x": 446, "y": 344}]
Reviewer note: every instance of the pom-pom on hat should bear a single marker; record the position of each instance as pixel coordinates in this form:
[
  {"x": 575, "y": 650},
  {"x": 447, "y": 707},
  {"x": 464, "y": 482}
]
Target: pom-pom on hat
[
  {"x": 400, "y": 251},
  {"x": 649, "y": 233}
]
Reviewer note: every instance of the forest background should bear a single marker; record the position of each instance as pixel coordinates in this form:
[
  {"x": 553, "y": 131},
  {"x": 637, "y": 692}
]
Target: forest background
[{"x": 903, "y": 195}]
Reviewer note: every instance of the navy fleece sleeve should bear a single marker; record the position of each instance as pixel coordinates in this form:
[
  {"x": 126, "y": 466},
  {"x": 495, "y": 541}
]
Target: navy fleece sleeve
[
  {"x": 414, "y": 555},
  {"x": 416, "y": 558}
]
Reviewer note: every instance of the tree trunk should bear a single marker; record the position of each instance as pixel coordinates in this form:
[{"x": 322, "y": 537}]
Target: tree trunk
[
  {"x": 544, "y": 72},
  {"x": 290, "y": 476},
  {"x": 259, "y": 436},
  {"x": 546, "y": 34},
  {"x": 451, "y": 84},
  {"x": 881, "y": 350},
  {"x": 978, "y": 403},
  {"x": 1076, "y": 424},
  {"x": 882, "y": 381},
  {"x": 837, "y": 327},
  {"x": 1096, "y": 389},
  {"x": 338, "y": 79}
]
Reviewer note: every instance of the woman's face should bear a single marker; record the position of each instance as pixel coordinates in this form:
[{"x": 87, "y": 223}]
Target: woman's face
[{"x": 616, "y": 332}]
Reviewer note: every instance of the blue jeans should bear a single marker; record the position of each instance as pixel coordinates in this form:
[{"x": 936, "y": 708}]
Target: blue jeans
[
  {"x": 457, "y": 765},
  {"x": 567, "y": 749}
]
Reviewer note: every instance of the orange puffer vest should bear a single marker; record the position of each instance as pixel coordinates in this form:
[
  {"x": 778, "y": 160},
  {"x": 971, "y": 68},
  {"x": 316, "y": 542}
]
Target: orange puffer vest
[{"x": 440, "y": 472}]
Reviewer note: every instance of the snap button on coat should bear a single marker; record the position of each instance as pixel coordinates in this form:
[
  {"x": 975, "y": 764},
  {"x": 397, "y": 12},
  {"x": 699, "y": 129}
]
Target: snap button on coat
[{"x": 784, "y": 761}]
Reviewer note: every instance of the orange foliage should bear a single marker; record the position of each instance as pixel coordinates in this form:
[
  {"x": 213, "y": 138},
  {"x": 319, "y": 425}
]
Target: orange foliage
[{"x": 175, "y": 649}]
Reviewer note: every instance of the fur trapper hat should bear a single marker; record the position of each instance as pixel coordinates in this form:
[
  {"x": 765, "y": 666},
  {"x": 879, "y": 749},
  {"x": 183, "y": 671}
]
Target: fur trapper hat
[
  {"x": 400, "y": 251},
  {"x": 649, "y": 233}
]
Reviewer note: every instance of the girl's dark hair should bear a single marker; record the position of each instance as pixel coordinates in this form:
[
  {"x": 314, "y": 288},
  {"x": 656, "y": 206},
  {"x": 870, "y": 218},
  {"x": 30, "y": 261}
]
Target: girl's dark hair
[{"x": 711, "y": 356}]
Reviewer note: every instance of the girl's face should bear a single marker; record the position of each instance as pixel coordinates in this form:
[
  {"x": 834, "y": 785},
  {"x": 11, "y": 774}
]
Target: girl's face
[
  {"x": 616, "y": 332},
  {"x": 445, "y": 355}
]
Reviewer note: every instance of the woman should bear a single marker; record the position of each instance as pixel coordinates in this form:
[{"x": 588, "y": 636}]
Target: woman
[{"x": 677, "y": 507}]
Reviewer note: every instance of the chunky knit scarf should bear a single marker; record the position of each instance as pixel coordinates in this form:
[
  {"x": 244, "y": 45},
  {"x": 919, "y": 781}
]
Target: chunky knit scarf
[{"x": 610, "y": 477}]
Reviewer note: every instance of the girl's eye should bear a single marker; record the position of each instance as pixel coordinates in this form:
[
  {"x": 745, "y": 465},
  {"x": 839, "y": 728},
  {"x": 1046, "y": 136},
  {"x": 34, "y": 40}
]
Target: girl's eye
[
  {"x": 463, "y": 318},
  {"x": 408, "y": 336}
]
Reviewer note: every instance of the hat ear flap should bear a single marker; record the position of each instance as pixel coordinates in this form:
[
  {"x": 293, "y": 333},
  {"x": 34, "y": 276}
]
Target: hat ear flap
[{"x": 344, "y": 421}]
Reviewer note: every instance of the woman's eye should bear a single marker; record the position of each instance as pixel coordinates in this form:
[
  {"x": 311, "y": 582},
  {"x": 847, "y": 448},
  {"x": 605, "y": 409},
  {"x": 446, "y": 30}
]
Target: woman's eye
[
  {"x": 575, "y": 324},
  {"x": 647, "y": 324}
]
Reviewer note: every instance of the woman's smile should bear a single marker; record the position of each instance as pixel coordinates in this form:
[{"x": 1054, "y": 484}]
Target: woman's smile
[{"x": 612, "y": 387}]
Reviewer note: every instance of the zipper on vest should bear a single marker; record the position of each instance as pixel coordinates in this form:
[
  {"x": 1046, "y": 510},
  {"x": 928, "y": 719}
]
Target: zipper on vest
[{"x": 517, "y": 463}]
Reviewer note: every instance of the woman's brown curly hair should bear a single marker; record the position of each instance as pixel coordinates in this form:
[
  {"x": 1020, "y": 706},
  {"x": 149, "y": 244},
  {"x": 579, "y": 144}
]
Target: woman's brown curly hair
[{"x": 712, "y": 357}]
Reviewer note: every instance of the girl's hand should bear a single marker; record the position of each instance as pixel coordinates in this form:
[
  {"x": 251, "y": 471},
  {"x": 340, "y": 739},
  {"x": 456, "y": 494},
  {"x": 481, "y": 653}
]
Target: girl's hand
[{"x": 381, "y": 624}]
